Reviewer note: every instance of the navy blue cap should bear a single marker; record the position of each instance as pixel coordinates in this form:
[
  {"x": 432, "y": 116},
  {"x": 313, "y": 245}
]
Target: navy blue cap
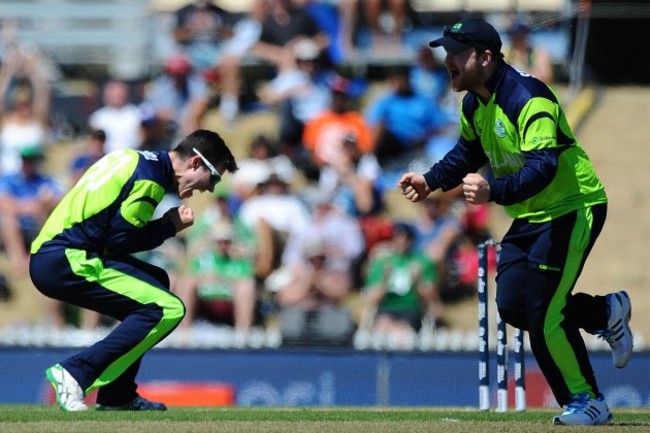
[{"x": 468, "y": 33}]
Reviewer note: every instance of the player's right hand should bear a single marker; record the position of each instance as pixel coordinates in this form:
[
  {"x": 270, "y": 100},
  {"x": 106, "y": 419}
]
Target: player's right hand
[{"x": 414, "y": 187}]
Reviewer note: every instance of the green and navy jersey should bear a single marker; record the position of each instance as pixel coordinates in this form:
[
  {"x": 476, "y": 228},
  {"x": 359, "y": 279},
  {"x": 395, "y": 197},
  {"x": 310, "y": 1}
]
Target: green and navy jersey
[
  {"x": 541, "y": 171},
  {"x": 110, "y": 208}
]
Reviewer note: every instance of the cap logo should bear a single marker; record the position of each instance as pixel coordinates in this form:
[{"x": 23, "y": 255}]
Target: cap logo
[
  {"x": 500, "y": 128},
  {"x": 457, "y": 26}
]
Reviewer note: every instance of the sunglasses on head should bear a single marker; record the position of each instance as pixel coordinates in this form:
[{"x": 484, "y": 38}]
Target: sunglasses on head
[
  {"x": 460, "y": 36},
  {"x": 215, "y": 177}
]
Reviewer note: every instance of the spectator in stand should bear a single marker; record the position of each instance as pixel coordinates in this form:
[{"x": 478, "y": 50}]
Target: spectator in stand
[
  {"x": 351, "y": 180},
  {"x": 403, "y": 121},
  {"x": 301, "y": 94},
  {"x": 382, "y": 43},
  {"x": 95, "y": 150},
  {"x": 179, "y": 97},
  {"x": 154, "y": 133},
  {"x": 310, "y": 294},
  {"x": 436, "y": 227},
  {"x": 26, "y": 200},
  {"x": 429, "y": 77},
  {"x": 246, "y": 34},
  {"x": 461, "y": 259},
  {"x": 436, "y": 230},
  {"x": 119, "y": 118},
  {"x": 337, "y": 232},
  {"x": 221, "y": 285},
  {"x": 525, "y": 56},
  {"x": 348, "y": 24},
  {"x": 219, "y": 213},
  {"x": 215, "y": 41},
  {"x": 24, "y": 106},
  {"x": 325, "y": 135},
  {"x": 401, "y": 291},
  {"x": 201, "y": 30},
  {"x": 277, "y": 217},
  {"x": 263, "y": 158},
  {"x": 285, "y": 25},
  {"x": 353, "y": 184}
]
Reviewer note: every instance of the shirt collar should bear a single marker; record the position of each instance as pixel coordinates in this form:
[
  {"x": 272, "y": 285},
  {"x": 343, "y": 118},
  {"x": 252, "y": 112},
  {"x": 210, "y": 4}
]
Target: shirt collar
[{"x": 495, "y": 79}]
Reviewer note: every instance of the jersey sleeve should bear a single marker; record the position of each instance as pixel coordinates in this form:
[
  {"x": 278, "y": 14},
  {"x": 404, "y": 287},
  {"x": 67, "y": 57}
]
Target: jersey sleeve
[
  {"x": 538, "y": 125},
  {"x": 467, "y": 156},
  {"x": 132, "y": 228}
]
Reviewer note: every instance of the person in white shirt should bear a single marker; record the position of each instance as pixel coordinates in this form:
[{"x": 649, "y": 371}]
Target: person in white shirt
[{"x": 118, "y": 118}]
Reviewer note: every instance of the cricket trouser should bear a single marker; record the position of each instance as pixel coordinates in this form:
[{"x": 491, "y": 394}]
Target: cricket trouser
[
  {"x": 125, "y": 288},
  {"x": 538, "y": 267}
]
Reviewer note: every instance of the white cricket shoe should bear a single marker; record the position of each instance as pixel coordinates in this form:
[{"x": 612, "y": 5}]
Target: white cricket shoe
[
  {"x": 69, "y": 394},
  {"x": 618, "y": 333},
  {"x": 583, "y": 410}
]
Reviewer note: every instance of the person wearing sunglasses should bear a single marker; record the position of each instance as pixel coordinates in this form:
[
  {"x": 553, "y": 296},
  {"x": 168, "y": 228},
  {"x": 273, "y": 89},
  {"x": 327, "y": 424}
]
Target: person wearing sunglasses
[
  {"x": 83, "y": 256},
  {"x": 514, "y": 123}
]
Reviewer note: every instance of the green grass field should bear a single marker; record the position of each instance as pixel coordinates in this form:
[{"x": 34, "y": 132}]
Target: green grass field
[{"x": 22, "y": 419}]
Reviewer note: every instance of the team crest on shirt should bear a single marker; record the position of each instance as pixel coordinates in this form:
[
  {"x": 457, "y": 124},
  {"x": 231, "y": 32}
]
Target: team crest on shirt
[{"x": 500, "y": 128}]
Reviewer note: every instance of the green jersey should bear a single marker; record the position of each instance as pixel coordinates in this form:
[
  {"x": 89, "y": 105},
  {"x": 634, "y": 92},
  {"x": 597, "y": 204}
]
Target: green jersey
[
  {"x": 541, "y": 171},
  {"x": 110, "y": 208}
]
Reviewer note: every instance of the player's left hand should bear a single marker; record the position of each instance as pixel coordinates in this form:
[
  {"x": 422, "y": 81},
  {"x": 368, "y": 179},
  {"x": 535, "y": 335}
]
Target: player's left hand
[
  {"x": 182, "y": 217},
  {"x": 476, "y": 189}
]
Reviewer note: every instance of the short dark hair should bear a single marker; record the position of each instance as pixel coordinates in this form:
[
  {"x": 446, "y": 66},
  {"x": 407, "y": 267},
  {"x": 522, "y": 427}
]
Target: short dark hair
[{"x": 211, "y": 145}]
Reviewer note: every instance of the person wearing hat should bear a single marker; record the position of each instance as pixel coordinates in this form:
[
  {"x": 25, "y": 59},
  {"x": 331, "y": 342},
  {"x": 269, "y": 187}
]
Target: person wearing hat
[
  {"x": 83, "y": 256},
  {"x": 179, "y": 97},
  {"x": 324, "y": 135},
  {"x": 401, "y": 289},
  {"x": 26, "y": 200},
  {"x": 544, "y": 179},
  {"x": 220, "y": 287}
]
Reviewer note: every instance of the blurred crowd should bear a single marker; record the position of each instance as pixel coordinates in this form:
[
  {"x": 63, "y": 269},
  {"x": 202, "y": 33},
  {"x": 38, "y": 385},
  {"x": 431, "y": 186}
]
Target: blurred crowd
[{"x": 301, "y": 238}]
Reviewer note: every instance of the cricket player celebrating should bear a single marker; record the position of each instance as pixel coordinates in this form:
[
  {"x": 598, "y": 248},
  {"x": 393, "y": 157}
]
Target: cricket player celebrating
[
  {"x": 514, "y": 122},
  {"x": 83, "y": 256}
]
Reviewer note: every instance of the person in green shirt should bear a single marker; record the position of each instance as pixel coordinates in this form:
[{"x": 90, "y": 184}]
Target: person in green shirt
[
  {"x": 83, "y": 255},
  {"x": 221, "y": 285},
  {"x": 544, "y": 179},
  {"x": 401, "y": 288}
]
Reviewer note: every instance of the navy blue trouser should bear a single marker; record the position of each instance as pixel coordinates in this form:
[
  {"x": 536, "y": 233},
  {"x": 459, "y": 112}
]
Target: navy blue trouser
[
  {"x": 537, "y": 270},
  {"x": 125, "y": 288}
]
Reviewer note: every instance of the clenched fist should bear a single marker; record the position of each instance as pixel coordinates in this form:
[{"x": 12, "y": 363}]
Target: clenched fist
[
  {"x": 414, "y": 187},
  {"x": 182, "y": 217},
  {"x": 476, "y": 189}
]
